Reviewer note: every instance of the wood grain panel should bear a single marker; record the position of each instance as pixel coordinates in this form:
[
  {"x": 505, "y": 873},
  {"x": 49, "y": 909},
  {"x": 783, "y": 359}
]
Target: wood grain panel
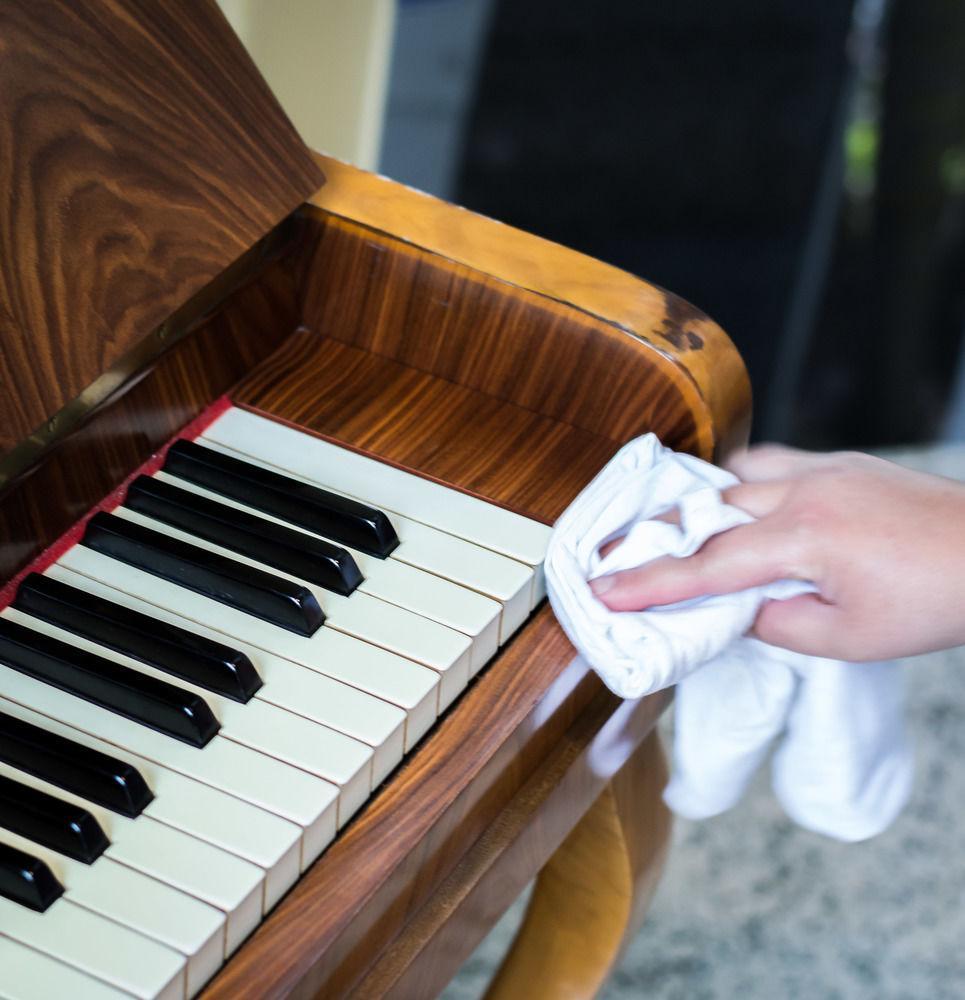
[
  {"x": 402, "y": 303},
  {"x": 459, "y": 436},
  {"x": 140, "y": 154},
  {"x": 588, "y": 884},
  {"x": 682, "y": 345},
  {"x": 152, "y": 406}
]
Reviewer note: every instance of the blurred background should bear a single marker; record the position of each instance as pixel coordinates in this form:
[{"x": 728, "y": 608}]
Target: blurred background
[{"x": 797, "y": 170}]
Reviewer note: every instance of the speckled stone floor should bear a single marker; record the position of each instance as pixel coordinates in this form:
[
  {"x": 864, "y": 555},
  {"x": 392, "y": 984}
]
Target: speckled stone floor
[{"x": 751, "y": 907}]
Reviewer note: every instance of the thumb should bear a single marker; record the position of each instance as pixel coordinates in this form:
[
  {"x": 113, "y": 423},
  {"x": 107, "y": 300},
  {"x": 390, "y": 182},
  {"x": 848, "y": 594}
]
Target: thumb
[{"x": 804, "y": 624}]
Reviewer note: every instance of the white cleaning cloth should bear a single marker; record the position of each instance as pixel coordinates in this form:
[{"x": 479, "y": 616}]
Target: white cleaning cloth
[{"x": 843, "y": 766}]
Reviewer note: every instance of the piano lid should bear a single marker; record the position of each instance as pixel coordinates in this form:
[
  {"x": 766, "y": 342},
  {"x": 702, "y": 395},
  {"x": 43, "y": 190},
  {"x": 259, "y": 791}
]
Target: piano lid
[{"x": 140, "y": 154}]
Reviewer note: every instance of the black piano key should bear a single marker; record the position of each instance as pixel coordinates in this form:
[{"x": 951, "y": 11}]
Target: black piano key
[
  {"x": 155, "y": 703},
  {"x": 347, "y": 521},
  {"x": 264, "y": 595},
  {"x": 27, "y": 880},
  {"x": 291, "y": 551},
  {"x": 177, "y": 651},
  {"x": 93, "y": 775},
  {"x": 62, "y": 826}
]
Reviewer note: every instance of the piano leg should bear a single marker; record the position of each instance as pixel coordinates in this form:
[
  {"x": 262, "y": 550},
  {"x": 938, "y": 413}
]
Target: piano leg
[{"x": 592, "y": 894}]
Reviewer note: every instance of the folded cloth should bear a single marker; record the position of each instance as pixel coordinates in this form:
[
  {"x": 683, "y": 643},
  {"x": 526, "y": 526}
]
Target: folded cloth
[{"x": 843, "y": 766}]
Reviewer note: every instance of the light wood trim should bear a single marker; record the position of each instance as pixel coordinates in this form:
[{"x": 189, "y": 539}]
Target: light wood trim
[
  {"x": 682, "y": 338},
  {"x": 591, "y": 896}
]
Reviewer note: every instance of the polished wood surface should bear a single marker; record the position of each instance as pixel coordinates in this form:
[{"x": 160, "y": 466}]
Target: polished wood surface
[
  {"x": 441, "y": 317},
  {"x": 154, "y": 403},
  {"x": 140, "y": 154},
  {"x": 523, "y": 409},
  {"x": 685, "y": 347},
  {"x": 497, "y": 868},
  {"x": 456, "y": 435},
  {"x": 591, "y": 896}
]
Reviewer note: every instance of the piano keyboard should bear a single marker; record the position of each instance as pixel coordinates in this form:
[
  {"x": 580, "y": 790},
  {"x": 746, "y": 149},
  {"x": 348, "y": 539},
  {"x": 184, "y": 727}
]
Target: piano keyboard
[{"x": 196, "y": 697}]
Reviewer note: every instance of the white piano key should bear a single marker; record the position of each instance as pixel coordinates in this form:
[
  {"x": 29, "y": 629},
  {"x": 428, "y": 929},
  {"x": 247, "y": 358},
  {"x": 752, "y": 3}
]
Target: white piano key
[
  {"x": 258, "y": 836},
  {"x": 409, "y": 685},
  {"x": 406, "y": 586},
  {"x": 290, "y": 738},
  {"x": 100, "y": 947},
  {"x": 426, "y": 547},
  {"x": 144, "y": 904},
  {"x": 431, "y": 503},
  {"x": 442, "y": 649},
  {"x": 286, "y": 684},
  {"x": 286, "y": 791},
  {"x": 399, "y": 631},
  {"x": 220, "y": 879},
  {"x": 31, "y": 975},
  {"x": 505, "y": 580}
]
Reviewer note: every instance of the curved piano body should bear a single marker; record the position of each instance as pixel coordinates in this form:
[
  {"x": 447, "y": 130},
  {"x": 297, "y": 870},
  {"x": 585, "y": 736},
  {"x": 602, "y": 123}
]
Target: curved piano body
[{"x": 505, "y": 367}]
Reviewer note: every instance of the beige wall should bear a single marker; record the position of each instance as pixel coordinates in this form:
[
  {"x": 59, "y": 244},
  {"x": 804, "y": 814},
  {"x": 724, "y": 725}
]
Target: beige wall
[{"x": 327, "y": 62}]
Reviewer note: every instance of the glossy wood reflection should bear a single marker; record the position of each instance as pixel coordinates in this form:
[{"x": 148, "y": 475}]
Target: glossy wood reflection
[
  {"x": 626, "y": 319},
  {"x": 155, "y": 404},
  {"x": 457, "y": 435},
  {"x": 140, "y": 154},
  {"x": 444, "y": 318}
]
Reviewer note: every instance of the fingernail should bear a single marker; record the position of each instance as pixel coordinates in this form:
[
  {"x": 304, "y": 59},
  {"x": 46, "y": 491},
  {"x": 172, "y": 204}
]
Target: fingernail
[{"x": 602, "y": 584}]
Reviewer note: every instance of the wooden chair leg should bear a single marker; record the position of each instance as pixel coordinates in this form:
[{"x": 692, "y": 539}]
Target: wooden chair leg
[{"x": 591, "y": 896}]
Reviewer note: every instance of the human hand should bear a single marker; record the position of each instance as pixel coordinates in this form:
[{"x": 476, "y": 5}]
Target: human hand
[{"x": 885, "y": 547}]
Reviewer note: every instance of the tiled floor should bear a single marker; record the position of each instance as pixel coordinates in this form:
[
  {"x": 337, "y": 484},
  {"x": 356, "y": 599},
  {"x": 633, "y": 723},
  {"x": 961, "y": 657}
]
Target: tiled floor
[{"x": 753, "y": 908}]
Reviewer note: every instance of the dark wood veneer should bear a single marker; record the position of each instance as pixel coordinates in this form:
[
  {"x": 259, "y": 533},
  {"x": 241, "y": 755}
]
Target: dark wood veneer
[
  {"x": 459, "y": 436},
  {"x": 140, "y": 154},
  {"x": 371, "y": 291},
  {"x": 40, "y": 506}
]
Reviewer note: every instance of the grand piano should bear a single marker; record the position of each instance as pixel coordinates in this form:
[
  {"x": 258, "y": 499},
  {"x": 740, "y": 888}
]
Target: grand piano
[{"x": 283, "y": 711}]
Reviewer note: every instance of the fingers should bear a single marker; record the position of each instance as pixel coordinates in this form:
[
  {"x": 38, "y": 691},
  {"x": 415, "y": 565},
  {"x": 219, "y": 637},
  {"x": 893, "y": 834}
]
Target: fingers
[
  {"x": 743, "y": 557},
  {"x": 757, "y": 499},
  {"x": 774, "y": 461},
  {"x": 804, "y": 624}
]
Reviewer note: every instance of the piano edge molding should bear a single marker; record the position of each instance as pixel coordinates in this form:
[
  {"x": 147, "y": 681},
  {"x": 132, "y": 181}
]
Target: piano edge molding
[{"x": 682, "y": 339}]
